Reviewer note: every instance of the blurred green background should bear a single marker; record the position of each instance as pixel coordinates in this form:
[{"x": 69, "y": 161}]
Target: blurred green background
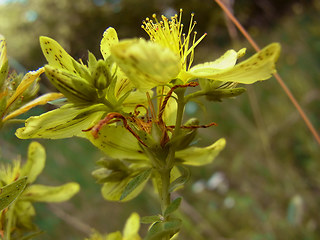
[{"x": 264, "y": 185}]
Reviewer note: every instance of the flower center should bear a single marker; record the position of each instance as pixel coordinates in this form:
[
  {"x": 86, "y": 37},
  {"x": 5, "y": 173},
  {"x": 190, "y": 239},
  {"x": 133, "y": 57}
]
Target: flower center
[{"x": 168, "y": 33}]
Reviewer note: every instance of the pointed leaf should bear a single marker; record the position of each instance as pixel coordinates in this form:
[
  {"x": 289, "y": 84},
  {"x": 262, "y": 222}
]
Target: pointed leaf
[
  {"x": 150, "y": 219},
  {"x": 32, "y": 235},
  {"x": 112, "y": 191},
  {"x": 181, "y": 180},
  {"x": 142, "y": 178},
  {"x": 35, "y": 163},
  {"x": 163, "y": 229},
  {"x": 174, "y": 205},
  {"x": 11, "y": 191},
  {"x": 41, "y": 193}
]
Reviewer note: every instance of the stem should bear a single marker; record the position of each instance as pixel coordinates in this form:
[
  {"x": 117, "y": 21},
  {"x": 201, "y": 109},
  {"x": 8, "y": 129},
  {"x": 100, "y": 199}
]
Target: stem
[
  {"x": 276, "y": 75},
  {"x": 9, "y": 221},
  {"x": 195, "y": 95},
  {"x": 181, "y": 103},
  {"x": 165, "y": 171},
  {"x": 165, "y": 195}
]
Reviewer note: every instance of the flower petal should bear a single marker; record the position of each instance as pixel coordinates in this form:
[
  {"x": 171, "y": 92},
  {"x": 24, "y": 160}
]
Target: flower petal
[
  {"x": 131, "y": 229},
  {"x": 41, "y": 193},
  {"x": 258, "y": 67},
  {"x": 64, "y": 122},
  {"x": 43, "y": 99},
  {"x": 109, "y": 38},
  {"x": 56, "y": 55},
  {"x": 3, "y": 51},
  {"x": 147, "y": 64},
  {"x": 196, "y": 156},
  {"x": 227, "y": 60},
  {"x": 35, "y": 163},
  {"x": 117, "y": 142},
  {"x": 27, "y": 80}
]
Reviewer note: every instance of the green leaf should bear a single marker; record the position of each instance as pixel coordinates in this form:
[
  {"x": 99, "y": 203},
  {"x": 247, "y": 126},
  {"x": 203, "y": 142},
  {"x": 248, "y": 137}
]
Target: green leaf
[
  {"x": 136, "y": 182},
  {"x": 181, "y": 180},
  {"x": 174, "y": 205},
  {"x": 10, "y": 192},
  {"x": 163, "y": 229},
  {"x": 35, "y": 163},
  {"x": 196, "y": 156},
  {"x": 32, "y": 235},
  {"x": 150, "y": 219},
  {"x": 112, "y": 191},
  {"x": 41, "y": 193}
]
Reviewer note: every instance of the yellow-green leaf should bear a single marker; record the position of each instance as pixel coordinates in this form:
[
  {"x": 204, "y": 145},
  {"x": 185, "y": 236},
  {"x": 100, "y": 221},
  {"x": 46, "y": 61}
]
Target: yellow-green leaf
[
  {"x": 112, "y": 191},
  {"x": 42, "y": 193},
  {"x": 135, "y": 182},
  {"x": 35, "y": 162},
  {"x": 196, "y": 156}
]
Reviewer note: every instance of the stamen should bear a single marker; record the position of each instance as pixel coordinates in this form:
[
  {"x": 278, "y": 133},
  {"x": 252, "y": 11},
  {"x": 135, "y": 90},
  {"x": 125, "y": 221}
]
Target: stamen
[{"x": 169, "y": 33}]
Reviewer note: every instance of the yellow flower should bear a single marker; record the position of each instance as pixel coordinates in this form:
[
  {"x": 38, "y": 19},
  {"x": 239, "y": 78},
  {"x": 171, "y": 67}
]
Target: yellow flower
[
  {"x": 16, "y": 91},
  {"x": 88, "y": 103},
  {"x": 167, "y": 41},
  {"x": 130, "y": 231},
  {"x": 21, "y": 212}
]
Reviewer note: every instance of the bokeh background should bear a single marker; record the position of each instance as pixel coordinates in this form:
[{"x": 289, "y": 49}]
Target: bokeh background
[{"x": 264, "y": 185}]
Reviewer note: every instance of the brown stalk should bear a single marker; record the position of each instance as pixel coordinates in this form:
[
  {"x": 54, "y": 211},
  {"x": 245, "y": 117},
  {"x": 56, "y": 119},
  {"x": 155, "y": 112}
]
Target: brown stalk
[{"x": 276, "y": 75}]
